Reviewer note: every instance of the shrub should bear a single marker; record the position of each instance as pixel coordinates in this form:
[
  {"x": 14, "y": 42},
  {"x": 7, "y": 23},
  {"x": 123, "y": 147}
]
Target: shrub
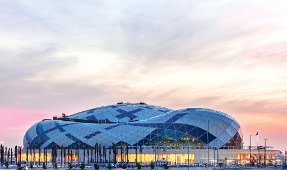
[
  {"x": 139, "y": 166},
  {"x": 96, "y": 166},
  {"x": 18, "y": 166},
  {"x": 152, "y": 165},
  {"x": 31, "y": 165},
  {"x": 109, "y": 166},
  {"x": 55, "y": 165},
  {"x": 165, "y": 166},
  {"x": 6, "y": 164},
  {"x": 70, "y": 166},
  {"x": 82, "y": 165},
  {"x": 44, "y": 166},
  {"x": 124, "y": 166}
]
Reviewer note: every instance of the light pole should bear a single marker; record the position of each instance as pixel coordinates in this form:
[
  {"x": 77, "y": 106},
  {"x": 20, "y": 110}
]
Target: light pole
[
  {"x": 250, "y": 148},
  {"x": 207, "y": 143},
  {"x": 214, "y": 149},
  {"x": 284, "y": 163},
  {"x": 258, "y": 151},
  {"x": 265, "y": 153},
  {"x": 250, "y": 152},
  {"x": 188, "y": 154}
]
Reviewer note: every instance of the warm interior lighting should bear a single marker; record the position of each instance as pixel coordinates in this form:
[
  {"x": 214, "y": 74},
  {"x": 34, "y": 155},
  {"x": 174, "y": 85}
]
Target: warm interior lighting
[{"x": 147, "y": 158}]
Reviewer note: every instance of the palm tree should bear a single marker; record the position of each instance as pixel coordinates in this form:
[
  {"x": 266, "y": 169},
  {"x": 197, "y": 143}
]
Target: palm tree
[
  {"x": 105, "y": 153},
  {"x": 61, "y": 156},
  {"x": 97, "y": 152},
  {"x": 5, "y": 154},
  {"x": 121, "y": 152},
  {"x": 39, "y": 158},
  {"x": 2, "y": 154},
  {"x": 15, "y": 154},
  {"x": 127, "y": 152},
  {"x": 141, "y": 151},
  {"x": 54, "y": 155},
  {"x": 68, "y": 155},
  {"x": 100, "y": 152},
  {"x": 88, "y": 153},
  {"x": 11, "y": 153},
  {"x": 64, "y": 155},
  {"x": 30, "y": 154},
  {"x": 91, "y": 155},
  {"x": 27, "y": 152},
  {"x": 34, "y": 155},
  {"x": 78, "y": 157},
  {"x": 45, "y": 156},
  {"x": 20, "y": 153},
  {"x": 8, "y": 155},
  {"x": 71, "y": 153},
  {"x": 110, "y": 152},
  {"x": 136, "y": 150},
  {"x": 84, "y": 158},
  {"x": 115, "y": 152}
]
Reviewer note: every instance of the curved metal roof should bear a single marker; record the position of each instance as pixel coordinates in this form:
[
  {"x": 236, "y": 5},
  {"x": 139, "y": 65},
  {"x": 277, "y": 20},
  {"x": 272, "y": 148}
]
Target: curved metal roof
[{"x": 124, "y": 112}]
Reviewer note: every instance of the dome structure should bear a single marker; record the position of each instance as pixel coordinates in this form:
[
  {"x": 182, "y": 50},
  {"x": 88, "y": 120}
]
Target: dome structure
[{"x": 136, "y": 125}]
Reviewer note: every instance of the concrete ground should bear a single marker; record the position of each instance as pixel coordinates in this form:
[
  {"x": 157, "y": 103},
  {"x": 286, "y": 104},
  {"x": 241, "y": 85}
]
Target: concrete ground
[{"x": 170, "y": 168}]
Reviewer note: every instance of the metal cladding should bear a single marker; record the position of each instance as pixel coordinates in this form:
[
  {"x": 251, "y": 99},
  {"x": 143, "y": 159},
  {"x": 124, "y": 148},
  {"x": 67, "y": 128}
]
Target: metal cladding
[{"x": 135, "y": 124}]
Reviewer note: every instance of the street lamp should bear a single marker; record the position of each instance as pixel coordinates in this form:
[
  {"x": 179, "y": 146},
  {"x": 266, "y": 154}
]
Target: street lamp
[
  {"x": 265, "y": 153},
  {"x": 250, "y": 152},
  {"x": 214, "y": 151},
  {"x": 251, "y": 148},
  {"x": 188, "y": 145},
  {"x": 258, "y": 151},
  {"x": 207, "y": 143},
  {"x": 284, "y": 163}
]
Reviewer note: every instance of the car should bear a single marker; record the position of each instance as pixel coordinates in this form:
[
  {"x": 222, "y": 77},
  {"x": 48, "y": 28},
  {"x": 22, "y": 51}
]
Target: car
[
  {"x": 49, "y": 165},
  {"x": 198, "y": 165},
  {"x": 88, "y": 167},
  {"x": 13, "y": 166}
]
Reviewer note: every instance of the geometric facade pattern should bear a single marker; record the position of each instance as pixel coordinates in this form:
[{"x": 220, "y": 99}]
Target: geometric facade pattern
[{"x": 136, "y": 124}]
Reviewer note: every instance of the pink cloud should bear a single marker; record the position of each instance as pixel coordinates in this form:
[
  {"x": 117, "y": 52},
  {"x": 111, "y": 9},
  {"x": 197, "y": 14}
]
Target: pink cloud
[{"x": 273, "y": 52}]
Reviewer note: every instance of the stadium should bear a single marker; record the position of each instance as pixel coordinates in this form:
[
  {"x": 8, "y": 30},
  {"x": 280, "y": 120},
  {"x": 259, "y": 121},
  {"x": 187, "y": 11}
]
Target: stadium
[{"x": 137, "y": 132}]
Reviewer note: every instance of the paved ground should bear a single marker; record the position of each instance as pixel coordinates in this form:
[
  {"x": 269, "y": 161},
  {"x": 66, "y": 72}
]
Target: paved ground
[{"x": 171, "y": 168}]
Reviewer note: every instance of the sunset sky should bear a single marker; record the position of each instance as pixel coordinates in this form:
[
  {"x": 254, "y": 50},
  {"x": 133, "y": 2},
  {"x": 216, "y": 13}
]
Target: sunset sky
[{"x": 68, "y": 56}]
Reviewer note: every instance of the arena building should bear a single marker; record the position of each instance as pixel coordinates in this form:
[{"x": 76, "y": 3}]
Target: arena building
[{"x": 137, "y": 132}]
